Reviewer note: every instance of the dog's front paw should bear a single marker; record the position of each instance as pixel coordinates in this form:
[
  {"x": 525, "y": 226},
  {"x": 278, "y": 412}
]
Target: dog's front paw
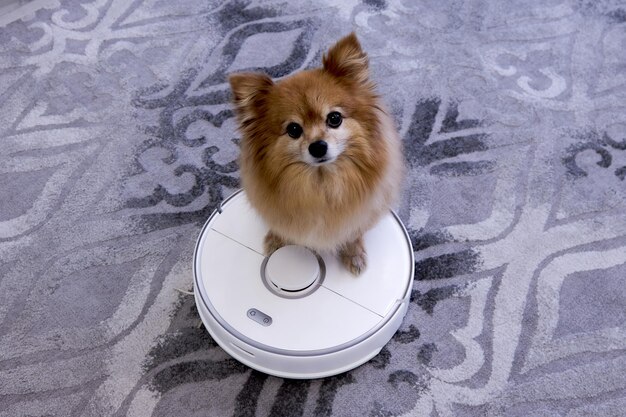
[
  {"x": 272, "y": 243},
  {"x": 353, "y": 256}
]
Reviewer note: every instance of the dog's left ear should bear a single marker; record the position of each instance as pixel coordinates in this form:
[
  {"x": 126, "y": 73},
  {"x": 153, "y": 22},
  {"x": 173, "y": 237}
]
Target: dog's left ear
[{"x": 347, "y": 59}]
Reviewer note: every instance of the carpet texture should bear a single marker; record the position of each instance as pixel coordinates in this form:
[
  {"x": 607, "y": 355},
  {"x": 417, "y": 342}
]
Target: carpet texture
[{"x": 117, "y": 141}]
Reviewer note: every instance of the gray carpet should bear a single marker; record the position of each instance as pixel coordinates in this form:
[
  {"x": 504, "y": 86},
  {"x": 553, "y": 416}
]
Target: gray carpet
[{"x": 117, "y": 141}]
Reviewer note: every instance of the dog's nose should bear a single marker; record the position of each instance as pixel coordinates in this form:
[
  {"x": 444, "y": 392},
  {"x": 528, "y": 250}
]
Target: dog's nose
[{"x": 318, "y": 149}]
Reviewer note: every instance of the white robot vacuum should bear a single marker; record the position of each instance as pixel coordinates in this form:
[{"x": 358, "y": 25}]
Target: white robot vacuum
[{"x": 296, "y": 313}]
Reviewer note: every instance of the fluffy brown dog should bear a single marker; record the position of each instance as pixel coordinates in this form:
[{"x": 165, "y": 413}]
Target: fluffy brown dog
[{"x": 320, "y": 159}]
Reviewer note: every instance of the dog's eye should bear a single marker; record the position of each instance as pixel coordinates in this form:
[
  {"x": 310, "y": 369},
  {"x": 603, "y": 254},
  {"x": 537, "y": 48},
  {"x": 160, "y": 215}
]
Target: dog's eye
[
  {"x": 294, "y": 130},
  {"x": 334, "y": 119}
]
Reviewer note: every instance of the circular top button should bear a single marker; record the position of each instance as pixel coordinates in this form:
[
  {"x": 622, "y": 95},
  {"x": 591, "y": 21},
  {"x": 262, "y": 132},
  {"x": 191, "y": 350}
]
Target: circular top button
[{"x": 292, "y": 268}]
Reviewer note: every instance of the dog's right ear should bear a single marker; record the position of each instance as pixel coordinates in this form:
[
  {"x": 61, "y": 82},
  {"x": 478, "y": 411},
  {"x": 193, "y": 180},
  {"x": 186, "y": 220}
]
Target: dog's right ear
[{"x": 249, "y": 90}]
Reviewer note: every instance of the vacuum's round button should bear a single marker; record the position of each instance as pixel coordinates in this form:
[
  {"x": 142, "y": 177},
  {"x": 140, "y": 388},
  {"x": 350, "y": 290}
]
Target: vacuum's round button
[{"x": 292, "y": 268}]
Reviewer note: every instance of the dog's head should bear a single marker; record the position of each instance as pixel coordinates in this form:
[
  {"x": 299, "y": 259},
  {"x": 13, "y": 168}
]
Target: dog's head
[{"x": 314, "y": 118}]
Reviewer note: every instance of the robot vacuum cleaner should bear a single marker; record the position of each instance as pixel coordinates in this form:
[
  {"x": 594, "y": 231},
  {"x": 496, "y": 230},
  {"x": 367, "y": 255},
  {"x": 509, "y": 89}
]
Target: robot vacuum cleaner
[{"x": 297, "y": 313}]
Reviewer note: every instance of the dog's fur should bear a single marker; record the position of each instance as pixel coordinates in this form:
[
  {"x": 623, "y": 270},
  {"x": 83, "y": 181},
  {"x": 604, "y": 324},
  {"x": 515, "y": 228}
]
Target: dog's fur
[{"x": 327, "y": 205}]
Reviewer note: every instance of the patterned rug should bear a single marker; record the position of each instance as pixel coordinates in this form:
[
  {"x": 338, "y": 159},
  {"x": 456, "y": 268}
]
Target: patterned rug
[{"x": 117, "y": 141}]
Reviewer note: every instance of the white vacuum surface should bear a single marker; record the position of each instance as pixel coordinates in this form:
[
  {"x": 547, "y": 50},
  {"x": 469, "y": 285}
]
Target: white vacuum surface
[{"x": 298, "y": 314}]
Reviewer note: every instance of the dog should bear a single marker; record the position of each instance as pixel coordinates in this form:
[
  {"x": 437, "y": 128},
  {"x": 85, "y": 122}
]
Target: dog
[{"x": 321, "y": 159}]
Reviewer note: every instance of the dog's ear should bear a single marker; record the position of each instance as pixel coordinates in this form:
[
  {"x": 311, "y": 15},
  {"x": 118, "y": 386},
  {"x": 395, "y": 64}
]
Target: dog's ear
[
  {"x": 249, "y": 90},
  {"x": 347, "y": 59}
]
